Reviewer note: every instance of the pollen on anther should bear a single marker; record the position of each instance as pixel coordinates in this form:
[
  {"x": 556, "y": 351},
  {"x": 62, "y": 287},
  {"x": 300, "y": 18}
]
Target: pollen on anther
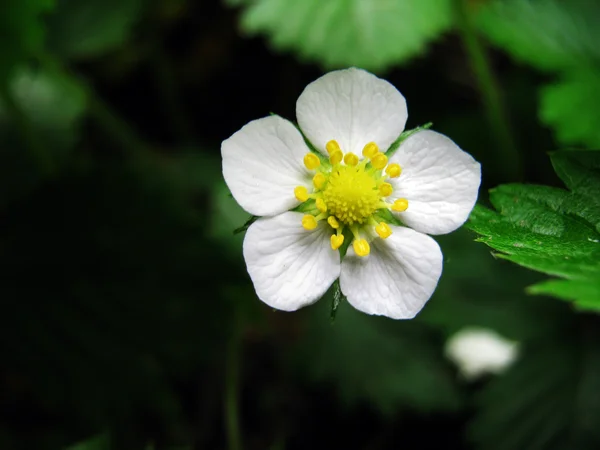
[
  {"x": 319, "y": 180},
  {"x": 332, "y": 146},
  {"x": 309, "y": 222},
  {"x": 301, "y": 193},
  {"x": 386, "y": 189},
  {"x": 332, "y": 221},
  {"x": 350, "y": 159},
  {"x": 393, "y": 170},
  {"x": 379, "y": 160},
  {"x": 383, "y": 230},
  {"x": 370, "y": 150},
  {"x": 321, "y": 206},
  {"x": 336, "y": 241},
  {"x": 400, "y": 205},
  {"x": 361, "y": 247},
  {"x": 311, "y": 161},
  {"x": 336, "y": 157}
]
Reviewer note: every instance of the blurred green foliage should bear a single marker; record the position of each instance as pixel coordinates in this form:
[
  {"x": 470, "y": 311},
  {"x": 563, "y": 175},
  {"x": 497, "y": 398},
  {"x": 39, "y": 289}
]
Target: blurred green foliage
[
  {"x": 127, "y": 319},
  {"x": 340, "y": 33}
]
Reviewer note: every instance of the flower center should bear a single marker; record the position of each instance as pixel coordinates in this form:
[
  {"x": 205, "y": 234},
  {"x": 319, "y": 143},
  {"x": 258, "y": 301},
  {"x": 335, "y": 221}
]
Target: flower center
[
  {"x": 351, "y": 194},
  {"x": 348, "y": 194}
]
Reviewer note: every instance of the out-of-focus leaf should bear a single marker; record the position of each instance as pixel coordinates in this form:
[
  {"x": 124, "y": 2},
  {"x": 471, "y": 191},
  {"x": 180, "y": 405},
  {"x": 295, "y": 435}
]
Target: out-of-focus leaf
[
  {"x": 548, "y": 400},
  {"x": 371, "y": 359},
  {"x": 339, "y": 33},
  {"x": 101, "y": 442},
  {"x": 463, "y": 297},
  {"x": 21, "y": 32},
  {"x": 550, "y": 230},
  {"x": 570, "y": 107},
  {"x": 549, "y": 34},
  {"x": 83, "y": 29},
  {"x": 53, "y": 107}
]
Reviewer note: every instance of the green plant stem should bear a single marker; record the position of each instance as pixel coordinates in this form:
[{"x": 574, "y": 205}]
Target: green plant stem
[
  {"x": 490, "y": 92},
  {"x": 232, "y": 369},
  {"x": 111, "y": 123},
  {"x": 27, "y": 132}
]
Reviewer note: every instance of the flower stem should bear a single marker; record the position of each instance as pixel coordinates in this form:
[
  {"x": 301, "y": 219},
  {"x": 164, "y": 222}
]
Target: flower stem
[
  {"x": 490, "y": 92},
  {"x": 231, "y": 400}
]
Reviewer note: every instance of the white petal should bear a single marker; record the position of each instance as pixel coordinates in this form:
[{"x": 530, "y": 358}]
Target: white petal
[
  {"x": 396, "y": 278},
  {"x": 290, "y": 266},
  {"x": 353, "y": 107},
  {"x": 439, "y": 180},
  {"x": 263, "y": 163}
]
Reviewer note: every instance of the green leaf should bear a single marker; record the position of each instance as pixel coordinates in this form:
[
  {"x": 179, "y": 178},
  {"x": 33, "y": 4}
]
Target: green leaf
[
  {"x": 585, "y": 292},
  {"x": 101, "y": 442},
  {"x": 570, "y": 107},
  {"x": 548, "y": 34},
  {"x": 370, "y": 359},
  {"x": 21, "y": 31},
  {"x": 548, "y": 400},
  {"x": 339, "y": 33},
  {"x": 83, "y": 29},
  {"x": 550, "y": 230}
]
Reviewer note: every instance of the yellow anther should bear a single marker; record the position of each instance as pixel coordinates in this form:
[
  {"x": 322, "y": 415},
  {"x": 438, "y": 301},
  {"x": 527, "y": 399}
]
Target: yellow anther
[
  {"x": 370, "y": 150},
  {"x": 383, "y": 230},
  {"x": 337, "y": 240},
  {"x": 332, "y": 221},
  {"x": 350, "y": 159},
  {"x": 321, "y": 206},
  {"x": 393, "y": 170},
  {"x": 311, "y": 161},
  {"x": 332, "y": 146},
  {"x": 361, "y": 247},
  {"x": 301, "y": 193},
  {"x": 319, "y": 180},
  {"x": 336, "y": 157},
  {"x": 400, "y": 205},
  {"x": 379, "y": 160},
  {"x": 309, "y": 222},
  {"x": 385, "y": 189}
]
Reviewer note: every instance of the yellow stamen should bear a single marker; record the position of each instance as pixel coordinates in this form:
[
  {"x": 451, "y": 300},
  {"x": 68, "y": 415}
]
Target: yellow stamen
[
  {"x": 400, "y": 205},
  {"x": 361, "y": 247},
  {"x": 383, "y": 230},
  {"x": 370, "y": 150},
  {"x": 309, "y": 222},
  {"x": 311, "y": 161},
  {"x": 332, "y": 146},
  {"x": 385, "y": 189},
  {"x": 332, "y": 221},
  {"x": 336, "y": 241},
  {"x": 321, "y": 206},
  {"x": 336, "y": 157},
  {"x": 351, "y": 159},
  {"x": 301, "y": 193},
  {"x": 319, "y": 180},
  {"x": 393, "y": 170},
  {"x": 379, "y": 160}
]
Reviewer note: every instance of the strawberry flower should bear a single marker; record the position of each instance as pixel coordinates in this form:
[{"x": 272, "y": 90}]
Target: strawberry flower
[{"x": 343, "y": 200}]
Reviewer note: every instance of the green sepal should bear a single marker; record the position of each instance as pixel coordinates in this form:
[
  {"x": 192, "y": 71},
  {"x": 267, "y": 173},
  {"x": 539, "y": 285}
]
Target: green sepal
[
  {"x": 405, "y": 135},
  {"x": 385, "y": 215},
  {"x": 338, "y": 297},
  {"x": 244, "y": 227},
  {"x": 348, "y": 237},
  {"x": 308, "y": 206}
]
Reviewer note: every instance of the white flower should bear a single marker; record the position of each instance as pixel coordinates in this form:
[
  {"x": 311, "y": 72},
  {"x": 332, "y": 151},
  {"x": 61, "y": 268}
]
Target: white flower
[
  {"x": 478, "y": 352},
  {"x": 349, "y": 192}
]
